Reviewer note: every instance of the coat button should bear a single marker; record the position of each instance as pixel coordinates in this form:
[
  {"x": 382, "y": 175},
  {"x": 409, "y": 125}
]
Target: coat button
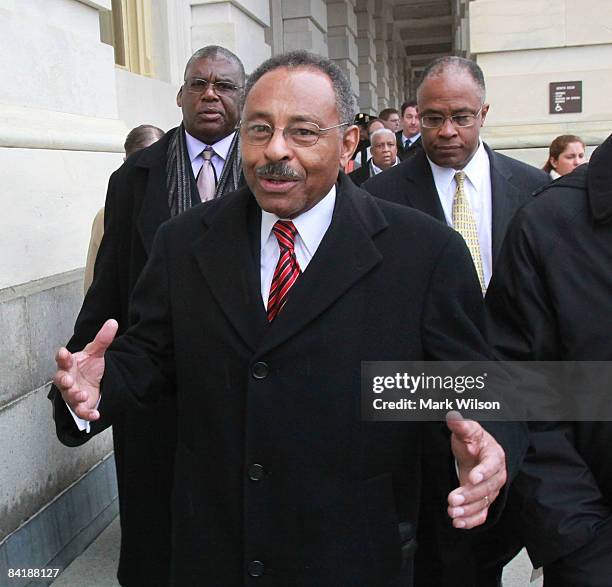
[
  {"x": 256, "y": 568},
  {"x": 256, "y": 472},
  {"x": 260, "y": 370}
]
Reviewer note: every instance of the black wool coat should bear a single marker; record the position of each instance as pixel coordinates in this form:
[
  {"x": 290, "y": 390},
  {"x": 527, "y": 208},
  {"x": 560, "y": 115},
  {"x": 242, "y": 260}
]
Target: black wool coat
[
  {"x": 144, "y": 440},
  {"x": 277, "y": 480},
  {"x": 447, "y": 557},
  {"x": 550, "y": 299}
]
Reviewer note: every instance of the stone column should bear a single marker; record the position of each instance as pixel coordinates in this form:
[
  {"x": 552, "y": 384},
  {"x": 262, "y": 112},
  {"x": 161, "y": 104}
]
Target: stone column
[
  {"x": 305, "y": 25},
  {"x": 238, "y": 25},
  {"x": 382, "y": 16},
  {"x": 368, "y": 79},
  {"x": 523, "y": 46},
  {"x": 342, "y": 39}
]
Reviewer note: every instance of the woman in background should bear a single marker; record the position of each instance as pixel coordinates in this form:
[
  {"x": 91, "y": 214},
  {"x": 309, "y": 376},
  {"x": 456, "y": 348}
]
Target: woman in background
[{"x": 565, "y": 153}]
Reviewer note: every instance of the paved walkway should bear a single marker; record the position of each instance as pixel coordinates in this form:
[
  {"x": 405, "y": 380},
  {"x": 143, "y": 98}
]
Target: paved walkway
[{"x": 97, "y": 566}]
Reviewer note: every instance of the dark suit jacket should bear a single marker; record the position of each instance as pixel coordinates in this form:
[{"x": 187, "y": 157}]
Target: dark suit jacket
[
  {"x": 360, "y": 174},
  {"x": 446, "y": 557},
  {"x": 412, "y": 150},
  {"x": 273, "y": 462},
  {"x": 550, "y": 300},
  {"x": 411, "y": 183},
  {"x": 136, "y": 205}
]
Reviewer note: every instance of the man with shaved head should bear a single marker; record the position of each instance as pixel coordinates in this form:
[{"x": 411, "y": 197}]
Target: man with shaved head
[
  {"x": 460, "y": 181},
  {"x": 257, "y": 310}
]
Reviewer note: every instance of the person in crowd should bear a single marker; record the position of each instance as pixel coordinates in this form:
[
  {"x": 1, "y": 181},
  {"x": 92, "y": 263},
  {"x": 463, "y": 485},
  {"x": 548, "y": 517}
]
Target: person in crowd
[
  {"x": 361, "y": 120},
  {"x": 138, "y": 138},
  {"x": 565, "y": 153},
  {"x": 391, "y": 119},
  {"x": 384, "y": 156},
  {"x": 409, "y": 138},
  {"x": 549, "y": 300},
  {"x": 459, "y": 180},
  {"x": 199, "y": 160},
  {"x": 247, "y": 309},
  {"x": 373, "y": 125}
]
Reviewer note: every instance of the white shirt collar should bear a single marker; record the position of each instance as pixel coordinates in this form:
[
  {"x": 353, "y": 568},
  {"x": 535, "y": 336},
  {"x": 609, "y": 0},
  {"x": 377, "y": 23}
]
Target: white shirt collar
[
  {"x": 311, "y": 225},
  {"x": 474, "y": 171},
  {"x": 377, "y": 169},
  {"x": 196, "y": 146},
  {"x": 410, "y": 140}
]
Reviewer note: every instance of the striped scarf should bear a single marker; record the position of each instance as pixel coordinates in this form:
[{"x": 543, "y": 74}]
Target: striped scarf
[{"x": 178, "y": 172}]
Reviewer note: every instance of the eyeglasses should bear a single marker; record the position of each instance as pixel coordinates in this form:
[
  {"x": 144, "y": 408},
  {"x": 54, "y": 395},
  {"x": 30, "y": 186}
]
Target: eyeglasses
[
  {"x": 457, "y": 120},
  {"x": 198, "y": 85},
  {"x": 297, "y": 134}
]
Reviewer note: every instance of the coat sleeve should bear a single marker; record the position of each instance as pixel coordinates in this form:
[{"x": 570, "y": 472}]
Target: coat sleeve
[
  {"x": 453, "y": 330},
  {"x": 102, "y": 301},
  {"x": 139, "y": 365},
  {"x": 560, "y": 501}
]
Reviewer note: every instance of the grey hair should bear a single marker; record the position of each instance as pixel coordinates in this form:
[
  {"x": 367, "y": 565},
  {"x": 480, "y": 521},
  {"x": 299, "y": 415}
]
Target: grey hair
[
  {"x": 451, "y": 63},
  {"x": 345, "y": 99},
  {"x": 213, "y": 51},
  {"x": 380, "y": 131}
]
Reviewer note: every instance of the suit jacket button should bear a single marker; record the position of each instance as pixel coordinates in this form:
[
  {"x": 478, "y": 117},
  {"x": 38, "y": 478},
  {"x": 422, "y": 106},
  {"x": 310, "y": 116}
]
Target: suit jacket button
[
  {"x": 260, "y": 370},
  {"x": 256, "y": 568},
  {"x": 256, "y": 472}
]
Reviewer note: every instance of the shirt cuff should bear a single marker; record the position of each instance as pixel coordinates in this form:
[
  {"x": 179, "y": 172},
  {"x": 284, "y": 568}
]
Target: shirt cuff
[{"x": 82, "y": 425}]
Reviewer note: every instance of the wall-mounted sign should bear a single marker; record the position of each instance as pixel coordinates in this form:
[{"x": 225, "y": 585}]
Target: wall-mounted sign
[{"x": 565, "y": 97}]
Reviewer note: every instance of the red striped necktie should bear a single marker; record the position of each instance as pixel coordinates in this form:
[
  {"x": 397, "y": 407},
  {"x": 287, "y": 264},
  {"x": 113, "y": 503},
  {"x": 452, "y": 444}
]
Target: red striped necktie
[{"x": 287, "y": 269}]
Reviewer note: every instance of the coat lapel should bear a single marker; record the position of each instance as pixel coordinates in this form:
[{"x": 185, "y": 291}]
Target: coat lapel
[
  {"x": 505, "y": 200},
  {"x": 346, "y": 254},
  {"x": 228, "y": 257},
  {"x": 421, "y": 192},
  {"x": 154, "y": 210}
]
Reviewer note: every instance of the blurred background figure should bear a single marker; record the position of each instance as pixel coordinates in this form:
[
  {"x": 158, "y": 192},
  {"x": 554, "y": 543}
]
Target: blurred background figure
[
  {"x": 409, "y": 138},
  {"x": 138, "y": 138},
  {"x": 391, "y": 119},
  {"x": 383, "y": 152},
  {"x": 565, "y": 153},
  {"x": 372, "y": 126}
]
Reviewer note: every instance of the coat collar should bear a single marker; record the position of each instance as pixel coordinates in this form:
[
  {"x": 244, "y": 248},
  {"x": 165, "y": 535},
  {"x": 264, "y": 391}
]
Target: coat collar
[
  {"x": 154, "y": 209},
  {"x": 228, "y": 257},
  {"x": 425, "y": 197}
]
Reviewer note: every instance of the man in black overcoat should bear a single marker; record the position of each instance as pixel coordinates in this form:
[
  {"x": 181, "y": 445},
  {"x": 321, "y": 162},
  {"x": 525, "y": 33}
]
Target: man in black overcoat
[
  {"x": 452, "y": 107},
  {"x": 149, "y": 188},
  {"x": 259, "y": 308},
  {"x": 551, "y": 300}
]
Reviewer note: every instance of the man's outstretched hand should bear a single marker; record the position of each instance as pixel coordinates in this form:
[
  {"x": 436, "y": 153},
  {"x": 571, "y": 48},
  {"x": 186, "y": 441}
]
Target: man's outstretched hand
[
  {"x": 481, "y": 464},
  {"x": 79, "y": 374}
]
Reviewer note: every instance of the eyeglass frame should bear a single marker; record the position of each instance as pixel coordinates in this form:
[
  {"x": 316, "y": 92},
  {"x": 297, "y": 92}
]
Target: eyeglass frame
[
  {"x": 452, "y": 119},
  {"x": 275, "y": 128},
  {"x": 235, "y": 88}
]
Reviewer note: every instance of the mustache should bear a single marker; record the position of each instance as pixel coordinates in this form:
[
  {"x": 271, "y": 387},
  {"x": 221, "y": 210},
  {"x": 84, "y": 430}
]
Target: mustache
[{"x": 277, "y": 171}]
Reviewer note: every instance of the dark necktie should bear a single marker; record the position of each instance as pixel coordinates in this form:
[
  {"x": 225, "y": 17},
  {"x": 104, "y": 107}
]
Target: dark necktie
[
  {"x": 287, "y": 269},
  {"x": 206, "y": 178}
]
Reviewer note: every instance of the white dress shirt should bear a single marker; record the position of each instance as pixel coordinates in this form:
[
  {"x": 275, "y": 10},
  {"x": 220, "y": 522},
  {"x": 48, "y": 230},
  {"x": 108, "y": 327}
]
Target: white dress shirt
[
  {"x": 221, "y": 149},
  {"x": 477, "y": 188},
  {"x": 311, "y": 227}
]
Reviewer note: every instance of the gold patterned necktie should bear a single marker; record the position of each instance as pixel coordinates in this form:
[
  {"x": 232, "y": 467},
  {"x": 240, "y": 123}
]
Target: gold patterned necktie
[
  {"x": 465, "y": 225},
  {"x": 206, "y": 178}
]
